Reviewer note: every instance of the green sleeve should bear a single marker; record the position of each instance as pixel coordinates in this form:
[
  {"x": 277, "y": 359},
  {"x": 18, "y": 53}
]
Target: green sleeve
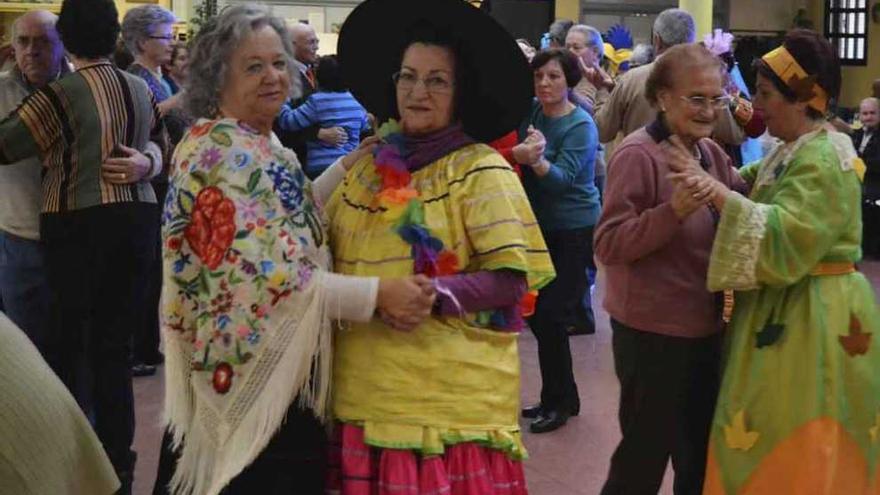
[
  {"x": 779, "y": 242},
  {"x": 16, "y": 140},
  {"x": 750, "y": 172}
]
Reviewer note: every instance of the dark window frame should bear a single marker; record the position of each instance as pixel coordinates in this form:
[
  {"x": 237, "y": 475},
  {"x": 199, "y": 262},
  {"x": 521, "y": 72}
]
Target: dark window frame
[{"x": 841, "y": 11}]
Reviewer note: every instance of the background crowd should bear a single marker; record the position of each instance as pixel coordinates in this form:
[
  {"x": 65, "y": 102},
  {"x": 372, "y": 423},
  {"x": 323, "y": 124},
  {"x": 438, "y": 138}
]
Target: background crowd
[{"x": 234, "y": 200}]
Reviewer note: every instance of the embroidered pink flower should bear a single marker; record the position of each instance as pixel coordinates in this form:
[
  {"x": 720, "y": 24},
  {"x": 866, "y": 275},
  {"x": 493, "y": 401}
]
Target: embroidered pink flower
[
  {"x": 210, "y": 157},
  {"x": 248, "y": 208},
  {"x": 243, "y": 331}
]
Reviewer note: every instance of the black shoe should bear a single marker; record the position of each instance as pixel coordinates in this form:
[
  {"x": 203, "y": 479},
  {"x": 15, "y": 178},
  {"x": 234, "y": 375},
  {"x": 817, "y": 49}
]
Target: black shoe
[
  {"x": 155, "y": 360},
  {"x": 533, "y": 411},
  {"x": 141, "y": 369},
  {"x": 549, "y": 421}
]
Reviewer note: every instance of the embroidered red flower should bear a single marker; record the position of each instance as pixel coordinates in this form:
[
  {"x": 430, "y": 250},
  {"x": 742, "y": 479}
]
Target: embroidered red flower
[
  {"x": 212, "y": 228},
  {"x": 200, "y": 130},
  {"x": 222, "y": 379},
  {"x": 174, "y": 243}
]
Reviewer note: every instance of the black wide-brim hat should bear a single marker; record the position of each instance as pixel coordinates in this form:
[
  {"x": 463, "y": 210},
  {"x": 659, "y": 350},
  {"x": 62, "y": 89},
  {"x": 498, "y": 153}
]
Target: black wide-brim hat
[{"x": 495, "y": 90}]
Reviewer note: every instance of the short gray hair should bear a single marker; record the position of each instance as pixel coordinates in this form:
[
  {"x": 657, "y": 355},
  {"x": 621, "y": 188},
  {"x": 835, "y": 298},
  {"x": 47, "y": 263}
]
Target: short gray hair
[
  {"x": 212, "y": 48},
  {"x": 675, "y": 27},
  {"x": 559, "y": 30},
  {"x": 592, "y": 36},
  {"x": 138, "y": 24}
]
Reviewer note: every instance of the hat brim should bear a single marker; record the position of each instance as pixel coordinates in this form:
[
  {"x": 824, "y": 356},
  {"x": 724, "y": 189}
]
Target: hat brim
[{"x": 498, "y": 83}]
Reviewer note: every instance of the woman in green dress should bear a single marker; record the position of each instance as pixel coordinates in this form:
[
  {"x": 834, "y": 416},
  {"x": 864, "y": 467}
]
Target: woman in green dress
[{"x": 799, "y": 408}]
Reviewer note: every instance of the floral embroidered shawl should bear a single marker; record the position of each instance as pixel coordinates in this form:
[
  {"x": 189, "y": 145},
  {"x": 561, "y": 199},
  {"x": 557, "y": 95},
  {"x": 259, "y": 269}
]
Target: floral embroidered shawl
[{"x": 244, "y": 255}]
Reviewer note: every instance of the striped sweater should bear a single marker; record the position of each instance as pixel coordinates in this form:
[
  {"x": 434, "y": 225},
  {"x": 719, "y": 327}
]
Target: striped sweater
[
  {"x": 73, "y": 125},
  {"x": 326, "y": 109}
]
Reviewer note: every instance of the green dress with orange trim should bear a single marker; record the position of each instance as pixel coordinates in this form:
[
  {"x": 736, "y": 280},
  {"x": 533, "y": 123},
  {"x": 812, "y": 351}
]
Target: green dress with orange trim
[
  {"x": 799, "y": 407},
  {"x": 451, "y": 380}
]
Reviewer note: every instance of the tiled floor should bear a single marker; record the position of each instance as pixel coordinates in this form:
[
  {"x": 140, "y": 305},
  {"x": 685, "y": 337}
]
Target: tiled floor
[{"x": 569, "y": 461}]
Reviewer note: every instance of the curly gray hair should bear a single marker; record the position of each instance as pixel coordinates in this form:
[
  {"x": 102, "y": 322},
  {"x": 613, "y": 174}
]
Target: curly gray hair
[
  {"x": 139, "y": 22},
  {"x": 675, "y": 27},
  {"x": 212, "y": 49}
]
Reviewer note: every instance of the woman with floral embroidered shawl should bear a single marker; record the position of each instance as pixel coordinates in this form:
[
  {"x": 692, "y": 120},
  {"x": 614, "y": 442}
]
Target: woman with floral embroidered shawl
[
  {"x": 247, "y": 297},
  {"x": 799, "y": 407},
  {"x": 434, "y": 410}
]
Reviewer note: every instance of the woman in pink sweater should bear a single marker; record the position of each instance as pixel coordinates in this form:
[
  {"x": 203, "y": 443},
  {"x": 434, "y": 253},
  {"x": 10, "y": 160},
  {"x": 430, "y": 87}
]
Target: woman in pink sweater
[{"x": 655, "y": 237}]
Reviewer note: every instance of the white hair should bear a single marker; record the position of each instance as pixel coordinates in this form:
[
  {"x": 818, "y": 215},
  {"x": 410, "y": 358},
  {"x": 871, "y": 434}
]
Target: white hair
[
  {"x": 675, "y": 27},
  {"x": 643, "y": 54},
  {"x": 592, "y": 36}
]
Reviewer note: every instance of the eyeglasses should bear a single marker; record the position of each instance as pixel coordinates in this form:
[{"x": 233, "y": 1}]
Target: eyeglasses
[
  {"x": 406, "y": 81},
  {"x": 700, "y": 102},
  {"x": 166, "y": 38}
]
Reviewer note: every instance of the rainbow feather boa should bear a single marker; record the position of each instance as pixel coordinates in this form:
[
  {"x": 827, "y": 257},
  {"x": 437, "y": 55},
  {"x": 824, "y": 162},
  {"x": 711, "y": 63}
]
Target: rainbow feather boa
[{"x": 404, "y": 205}]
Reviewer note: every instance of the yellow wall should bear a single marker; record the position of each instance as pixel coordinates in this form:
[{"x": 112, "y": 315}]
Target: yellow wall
[
  {"x": 856, "y": 80},
  {"x": 8, "y": 17},
  {"x": 702, "y": 12},
  {"x": 122, "y": 6},
  {"x": 568, "y": 9}
]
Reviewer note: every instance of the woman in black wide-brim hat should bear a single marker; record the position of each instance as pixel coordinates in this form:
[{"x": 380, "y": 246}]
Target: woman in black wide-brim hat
[{"x": 433, "y": 407}]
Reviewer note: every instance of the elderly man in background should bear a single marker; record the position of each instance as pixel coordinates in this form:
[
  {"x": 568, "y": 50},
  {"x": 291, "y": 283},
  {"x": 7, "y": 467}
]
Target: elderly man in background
[
  {"x": 305, "y": 57},
  {"x": 39, "y": 59},
  {"x": 867, "y": 142},
  {"x": 587, "y": 44},
  {"x": 627, "y": 110}
]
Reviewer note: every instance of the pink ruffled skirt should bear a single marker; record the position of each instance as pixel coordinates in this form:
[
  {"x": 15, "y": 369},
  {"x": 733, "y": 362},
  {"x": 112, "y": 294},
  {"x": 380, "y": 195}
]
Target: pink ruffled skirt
[{"x": 464, "y": 469}]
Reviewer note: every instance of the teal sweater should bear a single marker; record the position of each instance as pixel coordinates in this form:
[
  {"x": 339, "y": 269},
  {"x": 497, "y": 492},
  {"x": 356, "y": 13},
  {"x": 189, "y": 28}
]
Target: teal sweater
[{"x": 566, "y": 198}]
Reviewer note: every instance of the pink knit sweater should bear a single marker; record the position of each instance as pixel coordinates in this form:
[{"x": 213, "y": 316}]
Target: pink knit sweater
[{"x": 656, "y": 265}]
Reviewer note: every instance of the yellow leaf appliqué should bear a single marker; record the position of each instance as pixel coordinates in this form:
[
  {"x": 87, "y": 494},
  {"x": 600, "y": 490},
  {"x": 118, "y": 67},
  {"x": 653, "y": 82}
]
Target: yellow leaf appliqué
[
  {"x": 736, "y": 434},
  {"x": 874, "y": 431}
]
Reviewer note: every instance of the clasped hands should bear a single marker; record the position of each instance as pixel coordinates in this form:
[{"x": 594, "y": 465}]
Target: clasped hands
[
  {"x": 531, "y": 149},
  {"x": 404, "y": 303},
  {"x": 694, "y": 187}
]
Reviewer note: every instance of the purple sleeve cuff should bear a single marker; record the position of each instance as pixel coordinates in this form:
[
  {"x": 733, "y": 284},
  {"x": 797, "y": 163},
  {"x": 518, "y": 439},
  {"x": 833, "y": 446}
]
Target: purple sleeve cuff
[{"x": 481, "y": 291}]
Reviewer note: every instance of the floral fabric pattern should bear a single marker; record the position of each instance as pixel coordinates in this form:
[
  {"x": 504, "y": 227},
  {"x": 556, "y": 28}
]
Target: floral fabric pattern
[{"x": 242, "y": 236}]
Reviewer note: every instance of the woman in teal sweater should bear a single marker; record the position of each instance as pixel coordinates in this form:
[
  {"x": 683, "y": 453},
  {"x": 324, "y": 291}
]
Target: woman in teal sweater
[{"x": 558, "y": 151}]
